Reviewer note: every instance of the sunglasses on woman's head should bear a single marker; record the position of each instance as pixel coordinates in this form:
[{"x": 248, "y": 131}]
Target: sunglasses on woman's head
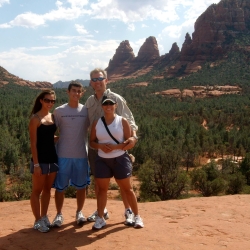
[
  {"x": 49, "y": 101},
  {"x": 108, "y": 103},
  {"x": 97, "y": 79}
]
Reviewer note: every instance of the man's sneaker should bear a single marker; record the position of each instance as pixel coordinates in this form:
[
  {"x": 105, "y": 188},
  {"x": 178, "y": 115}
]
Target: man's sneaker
[
  {"x": 129, "y": 218},
  {"x": 46, "y": 221},
  {"x": 58, "y": 221},
  {"x": 40, "y": 226},
  {"x": 99, "y": 223},
  {"x": 92, "y": 217},
  {"x": 138, "y": 222},
  {"x": 80, "y": 219}
]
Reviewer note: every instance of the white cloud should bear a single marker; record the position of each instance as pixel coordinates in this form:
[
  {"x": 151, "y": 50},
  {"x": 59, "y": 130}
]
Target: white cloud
[
  {"x": 2, "y": 2},
  {"x": 5, "y": 26},
  {"x": 73, "y": 63},
  {"x": 59, "y": 4},
  {"x": 42, "y": 48},
  {"x": 131, "y": 27},
  {"x": 129, "y": 11},
  {"x": 80, "y": 29},
  {"x": 28, "y": 20},
  {"x": 144, "y": 26},
  {"x": 78, "y": 3},
  {"x": 32, "y": 20}
]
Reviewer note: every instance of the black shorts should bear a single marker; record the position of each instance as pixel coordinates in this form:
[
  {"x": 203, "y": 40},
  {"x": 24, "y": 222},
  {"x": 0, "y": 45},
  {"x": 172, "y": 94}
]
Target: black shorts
[
  {"x": 119, "y": 167},
  {"x": 46, "y": 167}
]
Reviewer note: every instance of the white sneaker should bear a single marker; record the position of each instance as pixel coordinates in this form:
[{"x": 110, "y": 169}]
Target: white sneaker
[
  {"x": 58, "y": 221},
  {"x": 92, "y": 217},
  {"x": 129, "y": 218},
  {"x": 40, "y": 226},
  {"x": 46, "y": 221},
  {"x": 99, "y": 223},
  {"x": 80, "y": 219},
  {"x": 138, "y": 222}
]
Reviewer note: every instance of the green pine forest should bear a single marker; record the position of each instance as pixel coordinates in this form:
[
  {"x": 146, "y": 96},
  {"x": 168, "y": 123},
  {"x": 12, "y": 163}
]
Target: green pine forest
[{"x": 172, "y": 141}]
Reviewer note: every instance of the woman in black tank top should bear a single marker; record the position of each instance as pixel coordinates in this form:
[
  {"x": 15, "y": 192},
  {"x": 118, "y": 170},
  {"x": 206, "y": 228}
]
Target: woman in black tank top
[{"x": 43, "y": 164}]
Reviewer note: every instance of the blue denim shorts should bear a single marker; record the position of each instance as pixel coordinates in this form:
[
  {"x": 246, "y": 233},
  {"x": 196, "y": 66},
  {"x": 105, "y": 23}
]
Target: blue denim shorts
[
  {"x": 72, "y": 172},
  {"x": 45, "y": 167}
]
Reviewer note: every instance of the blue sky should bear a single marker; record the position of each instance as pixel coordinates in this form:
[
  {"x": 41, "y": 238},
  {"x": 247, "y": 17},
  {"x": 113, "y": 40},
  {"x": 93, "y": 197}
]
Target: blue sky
[{"x": 47, "y": 40}]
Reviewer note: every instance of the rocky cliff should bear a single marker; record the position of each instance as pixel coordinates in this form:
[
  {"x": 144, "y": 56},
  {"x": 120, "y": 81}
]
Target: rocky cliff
[
  {"x": 125, "y": 64},
  {"x": 214, "y": 33},
  {"x": 215, "y": 28},
  {"x": 6, "y": 77}
]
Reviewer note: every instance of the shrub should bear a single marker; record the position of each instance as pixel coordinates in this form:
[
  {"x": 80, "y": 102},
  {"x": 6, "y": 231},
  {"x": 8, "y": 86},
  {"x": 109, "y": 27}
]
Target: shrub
[
  {"x": 208, "y": 180},
  {"x": 113, "y": 186},
  {"x": 2, "y": 185},
  {"x": 236, "y": 183},
  {"x": 159, "y": 182}
]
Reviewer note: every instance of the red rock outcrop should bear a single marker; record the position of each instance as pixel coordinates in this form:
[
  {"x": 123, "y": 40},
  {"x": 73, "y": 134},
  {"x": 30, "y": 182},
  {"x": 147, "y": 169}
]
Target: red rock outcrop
[
  {"x": 214, "y": 31},
  {"x": 215, "y": 28},
  {"x": 6, "y": 77},
  {"x": 149, "y": 51},
  {"x": 201, "y": 91},
  {"x": 125, "y": 64},
  {"x": 197, "y": 223}
]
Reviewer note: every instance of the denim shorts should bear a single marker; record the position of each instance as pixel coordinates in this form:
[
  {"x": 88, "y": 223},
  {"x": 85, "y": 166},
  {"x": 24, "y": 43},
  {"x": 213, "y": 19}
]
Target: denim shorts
[
  {"x": 120, "y": 167},
  {"x": 45, "y": 167},
  {"x": 72, "y": 172}
]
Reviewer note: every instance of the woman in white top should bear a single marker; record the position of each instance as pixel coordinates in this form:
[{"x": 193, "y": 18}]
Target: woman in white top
[{"x": 112, "y": 160}]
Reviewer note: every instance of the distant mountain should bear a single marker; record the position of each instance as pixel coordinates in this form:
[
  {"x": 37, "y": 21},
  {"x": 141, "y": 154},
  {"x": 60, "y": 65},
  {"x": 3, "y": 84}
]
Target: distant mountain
[
  {"x": 62, "y": 85},
  {"x": 6, "y": 77}
]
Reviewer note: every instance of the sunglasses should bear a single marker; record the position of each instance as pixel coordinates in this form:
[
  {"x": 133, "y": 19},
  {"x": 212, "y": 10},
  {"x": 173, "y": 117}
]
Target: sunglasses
[
  {"x": 49, "y": 101},
  {"x": 97, "y": 79},
  {"x": 108, "y": 103}
]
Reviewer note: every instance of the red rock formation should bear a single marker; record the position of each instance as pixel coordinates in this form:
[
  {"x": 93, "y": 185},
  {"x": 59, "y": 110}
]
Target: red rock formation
[
  {"x": 6, "y": 77},
  {"x": 125, "y": 64},
  {"x": 201, "y": 91},
  {"x": 214, "y": 29},
  {"x": 149, "y": 50},
  {"x": 212, "y": 38}
]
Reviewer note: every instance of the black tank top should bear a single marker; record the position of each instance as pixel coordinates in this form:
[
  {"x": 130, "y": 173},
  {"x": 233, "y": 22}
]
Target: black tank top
[{"x": 45, "y": 144}]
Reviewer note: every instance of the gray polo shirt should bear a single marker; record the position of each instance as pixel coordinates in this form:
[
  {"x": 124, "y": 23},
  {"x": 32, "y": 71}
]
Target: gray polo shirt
[
  {"x": 95, "y": 110},
  {"x": 73, "y": 124}
]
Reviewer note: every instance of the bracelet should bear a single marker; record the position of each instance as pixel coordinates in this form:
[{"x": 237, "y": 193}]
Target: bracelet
[{"x": 36, "y": 165}]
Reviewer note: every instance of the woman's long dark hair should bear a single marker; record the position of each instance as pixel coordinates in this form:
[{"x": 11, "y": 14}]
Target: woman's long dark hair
[{"x": 37, "y": 106}]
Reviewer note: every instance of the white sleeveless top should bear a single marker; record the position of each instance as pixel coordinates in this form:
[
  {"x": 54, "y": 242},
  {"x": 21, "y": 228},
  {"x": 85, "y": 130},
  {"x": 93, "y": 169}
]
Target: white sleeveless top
[{"x": 116, "y": 129}]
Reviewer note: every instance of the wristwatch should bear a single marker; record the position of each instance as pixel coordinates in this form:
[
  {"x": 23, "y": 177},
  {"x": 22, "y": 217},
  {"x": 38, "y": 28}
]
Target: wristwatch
[{"x": 136, "y": 137}]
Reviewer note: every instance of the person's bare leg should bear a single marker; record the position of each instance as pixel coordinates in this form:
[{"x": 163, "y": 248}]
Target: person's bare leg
[
  {"x": 125, "y": 185},
  {"x": 45, "y": 198},
  {"x": 37, "y": 187},
  {"x": 59, "y": 199},
  {"x": 80, "y": 198},
  {"x": 124, "y": 199},
  {"x": 103, "y": 184}
]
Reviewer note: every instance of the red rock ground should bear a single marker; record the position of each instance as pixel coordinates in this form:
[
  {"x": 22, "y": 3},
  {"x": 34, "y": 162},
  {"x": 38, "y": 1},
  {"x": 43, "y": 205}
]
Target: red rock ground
[{"x": 190, "y": 224}]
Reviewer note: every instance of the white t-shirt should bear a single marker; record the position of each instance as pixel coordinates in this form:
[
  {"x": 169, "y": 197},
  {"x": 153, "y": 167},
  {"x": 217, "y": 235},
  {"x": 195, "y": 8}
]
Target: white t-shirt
[
  {"x": 116, "y": 129},
  {"x": 73, "y": 124}
]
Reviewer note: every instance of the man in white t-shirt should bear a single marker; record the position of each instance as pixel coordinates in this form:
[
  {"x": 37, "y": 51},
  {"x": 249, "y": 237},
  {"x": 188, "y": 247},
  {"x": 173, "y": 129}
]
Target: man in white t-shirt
[{"x": 72, "y": 121}]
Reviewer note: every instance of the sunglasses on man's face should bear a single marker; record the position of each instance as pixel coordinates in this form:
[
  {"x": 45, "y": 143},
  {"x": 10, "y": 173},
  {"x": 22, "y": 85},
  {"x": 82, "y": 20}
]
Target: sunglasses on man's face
[
  {"x": 108, "y": 103},
  {"x": 97, "y": 79},
  {"x": 49, "y": 101}
]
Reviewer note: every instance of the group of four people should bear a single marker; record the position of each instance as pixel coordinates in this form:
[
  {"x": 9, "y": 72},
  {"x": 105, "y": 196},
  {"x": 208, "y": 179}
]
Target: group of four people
[{"x": 113, "y": 132}]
